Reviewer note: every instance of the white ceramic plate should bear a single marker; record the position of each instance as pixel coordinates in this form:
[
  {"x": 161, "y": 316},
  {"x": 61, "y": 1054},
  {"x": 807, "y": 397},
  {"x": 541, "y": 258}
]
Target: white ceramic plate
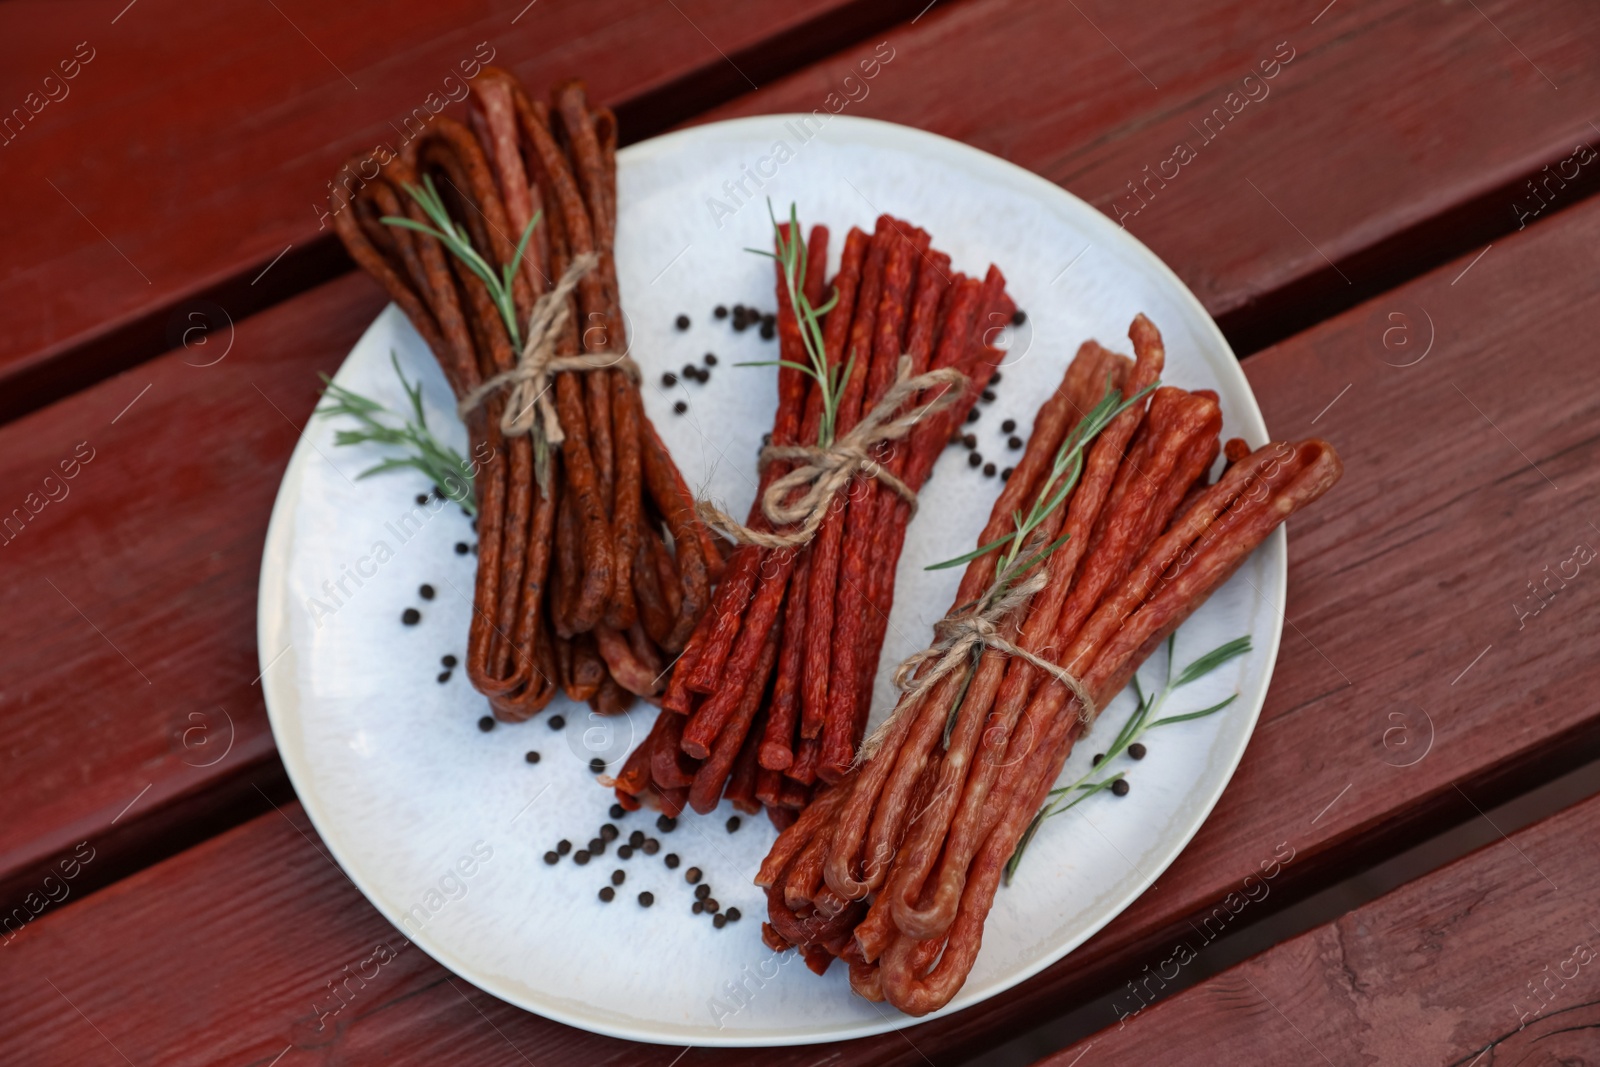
[{"x": 444, "y": 827}]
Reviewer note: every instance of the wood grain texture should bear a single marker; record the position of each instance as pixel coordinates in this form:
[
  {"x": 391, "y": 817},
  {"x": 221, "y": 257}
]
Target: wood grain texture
[
  {"x": 131, "y": 647},
  {"x": 1399, "y": 135},
  {"x": 197, "y": 142},
  {"x": 1398, "y": 581},
  {"x": 1488, "y": 961}
]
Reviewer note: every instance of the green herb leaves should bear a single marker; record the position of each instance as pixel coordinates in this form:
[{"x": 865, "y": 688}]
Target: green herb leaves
[
  {"x": 421, "y": 450},
  {"x": 1142, "y": 720}
]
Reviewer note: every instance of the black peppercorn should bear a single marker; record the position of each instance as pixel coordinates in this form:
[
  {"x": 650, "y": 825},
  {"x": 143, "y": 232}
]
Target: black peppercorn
[
  {"x": 733, "y": 823},
  {"x": 732, "y": 914},
  {"x": 618, "y": 876},
  {"x": 692, "y": 875},
  {"x": 461, "y": 548},
  {"x": 557, "y": 722},
  {"x": 425, "y": 592},
  {"x": 618, "y": 811},
  {"x": 448, "y": 661},
  {"x": 972, "y": 416},
  {"x": 646, "y": 899},
  {"x": 580, "y": 857},
  {"x": 624, "y": 852},
  {"x": 651, "y": 846},
  {"x": 679, "y": 408},
  {"x": 740, "y": 323},
  {"x": 531, "y": 756},
  {"x": 988, "y": 470},
  {"x": 1019, "y": 317},
  {"x": 666, "y": 823},
  {"x": 597, "y": 765},
  {"x": 711, "y": 359},
  {"x": 1137, "y": 750},
  {"x": 719, "y": 921},
  {"x": 712, "y": 906},
  {"x": 636, "y": 838},
  {"x": 486, "y": 723},
  {"x": 422, "y": 498},
  {"x": 682, "y": 322},
  {"x": 974, "y": 459},
  {"x": 608, "y": 832},
  {"x": 720, "y": 311},
  {"x": 698, "y": 907},
  {"x": 1098, "y": 756},
  {"x": 563, "y": 846},
  {"x": 1120, "y": 787},
  {"x": 970, "y": 440},
  {"x": 411, "y": 616},
  {"x": 987, "y": 396},
  {"x": 669, "y": 379},
  {"x": 1008, "y": 426},
  {"x": 597, "y": 846},
  {"x": 671, "y": 861},
  {"x": 1005, "y": 475},
  {"x": 444, "y": 676},
  {"x": 552, "y": 857},
  {"x": 701, "y": 892},
  {"x": 607, "y": 894},
  {"x": 1013, "y": 442},
  {"x": 995, "y": 378}
]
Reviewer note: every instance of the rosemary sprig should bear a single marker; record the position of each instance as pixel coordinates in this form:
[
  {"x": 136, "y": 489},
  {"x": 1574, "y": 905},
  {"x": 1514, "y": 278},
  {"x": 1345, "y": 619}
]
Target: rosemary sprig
[
  {"x": 453, "y": 236},
  {"x": 1141, "y": 721},
  {"x": 422, "y": 451},
  {"x": 1058, "y": 485},
  {"x": 791, "y": 257}
]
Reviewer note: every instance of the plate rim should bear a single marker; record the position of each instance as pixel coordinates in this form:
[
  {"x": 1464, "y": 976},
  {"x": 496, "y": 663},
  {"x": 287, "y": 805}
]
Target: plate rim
[{"x": 271, "y": 586}]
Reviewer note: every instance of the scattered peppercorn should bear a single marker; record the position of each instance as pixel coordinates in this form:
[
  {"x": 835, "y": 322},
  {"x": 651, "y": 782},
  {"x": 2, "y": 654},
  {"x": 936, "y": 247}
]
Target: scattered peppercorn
[
  {"x": 672, "y": 861},
  {"x": 422, "y": 498},
  {"x": 666, "y": 823},
  {"x": 988, "y": 470},
  {"x": 618, "y": 876},
  {"x": 972, "y": 416},
  {"x": 768, "y": 330},
  {"x": 636, "y": 838},
  {"x": 733, "y": 823},
  {"x": 669, "y": 379},
  {"x": 646, "y": 899},
  {"x": 486, "y": 723},
  {"x": 580, "y": 857},
  {"x": 609, "y": 832},
  {"x": 698, "y": 907},
  {"x": 531, "y": 756},
  {"x": 444, "y": 676},
  {"x": 557, "y": 722},
  {"x": 740, "y": 322},
  {"x": 624, "y": 852},
  {"x": 701, "y": 892},
  {"x": 552, "y": 857},
  {"x": 607, "y": 894},
  {"x": 732, "y": 914},
  {"x": 719, "y": 921},
  {"x": 970, "y": 440},
  {"x": 563, "y": 846},
  {"x": 597, "y": 765},
  {"x": 618, "y": 811},
  {"x": 1013, "y": 442},
  {"x": 711, "y": 359},
  {"x": 461, "y": 548},
  {"x": 994, "y": 378},
  {"x": 679, "y": 408},
  {"x": 692, "y": 875},
  {"x": 720, "y": 311},
  {"x": 1098, "y": 756},
  {"x": 682, "y": 322},
  {"x": 712, "y": 906},
  {"x": 1005, "y": 475},
  {"x": 411, "y": 616},
  {"x": 1008, "y": 426},
  {"x": 1137, "y": 750},
  {"x": 1120, "y": 787},
  {"x": 651, "y": 846},
  {"x": 987, "y": 395},
  {"x": 425, "y": 592},
  {"x": 448, "y": 660},
  {"x": 1019, "y": 317},
  {"x": 974, "y": 459},
  {"x": 597, "y": 846}
]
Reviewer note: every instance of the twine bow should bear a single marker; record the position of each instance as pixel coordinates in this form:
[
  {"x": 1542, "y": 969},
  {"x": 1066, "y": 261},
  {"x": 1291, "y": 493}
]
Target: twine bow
[
  {"x": 528, "y": 404},
  {"x": 824, "y": 471},
  {"x": 963, "y": 632}
]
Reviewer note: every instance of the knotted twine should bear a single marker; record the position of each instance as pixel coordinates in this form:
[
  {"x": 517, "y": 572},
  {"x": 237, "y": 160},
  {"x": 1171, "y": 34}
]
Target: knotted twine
[
  {"x": 961, "y": 633},
  {"x": 824, "y": 471},
  {"x": 528, "y": 404}
]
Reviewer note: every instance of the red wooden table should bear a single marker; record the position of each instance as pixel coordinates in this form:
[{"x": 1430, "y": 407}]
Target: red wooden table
[{"x": 1392, "y": 229}]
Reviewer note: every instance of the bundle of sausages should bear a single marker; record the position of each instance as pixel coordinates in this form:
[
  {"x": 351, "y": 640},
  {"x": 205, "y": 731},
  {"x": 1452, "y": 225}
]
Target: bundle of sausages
[
  {"x": 592, "y": 568},
  {"x": 772, "y": 692},
  {"x": 895, "y": 867}
]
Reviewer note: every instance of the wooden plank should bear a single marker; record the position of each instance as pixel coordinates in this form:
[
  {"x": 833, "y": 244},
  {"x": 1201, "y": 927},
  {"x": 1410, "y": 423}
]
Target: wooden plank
[
  {"x": 1486, "y": 962},
  {"x": 1392, "y": 137},
  {"x": 133, "y": 653},
  {"x": 1402, "y": 586},
  {"x": 164, "y": 171}
]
